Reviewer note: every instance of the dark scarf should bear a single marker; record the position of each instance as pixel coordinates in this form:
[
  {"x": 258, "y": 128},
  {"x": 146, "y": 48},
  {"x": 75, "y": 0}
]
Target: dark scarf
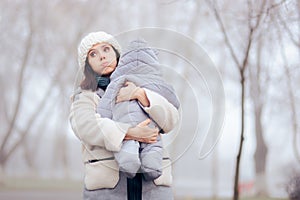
[{"x": 102, "y": 81}]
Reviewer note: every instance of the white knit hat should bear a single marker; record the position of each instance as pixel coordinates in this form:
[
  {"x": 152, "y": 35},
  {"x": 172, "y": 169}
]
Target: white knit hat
[{"x": 90, "y": 40}]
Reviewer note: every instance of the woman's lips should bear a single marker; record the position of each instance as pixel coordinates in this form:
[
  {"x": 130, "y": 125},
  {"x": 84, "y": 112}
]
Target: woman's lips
[{"x": 105, "y": 64}]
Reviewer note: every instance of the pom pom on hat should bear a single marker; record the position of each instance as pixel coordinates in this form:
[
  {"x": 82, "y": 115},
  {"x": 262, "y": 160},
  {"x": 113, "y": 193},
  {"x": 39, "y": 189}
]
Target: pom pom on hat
[{"x": 90, "y": 40}]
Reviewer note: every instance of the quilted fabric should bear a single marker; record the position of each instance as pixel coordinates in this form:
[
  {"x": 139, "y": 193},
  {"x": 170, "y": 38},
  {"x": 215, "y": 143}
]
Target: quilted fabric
[{"x": 139, "y": 64}]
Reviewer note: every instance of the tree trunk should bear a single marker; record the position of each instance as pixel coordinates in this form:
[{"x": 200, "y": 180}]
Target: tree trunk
[
  {"x": 238, "y": 159},
  {"x": 260, "y": 155}
]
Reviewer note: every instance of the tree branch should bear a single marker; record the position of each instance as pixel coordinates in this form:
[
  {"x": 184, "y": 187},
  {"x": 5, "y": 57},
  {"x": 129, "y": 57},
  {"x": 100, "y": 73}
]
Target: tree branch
[
  {"x": 228, "y": 43},
  {"x": 288, "y": 30},
  {"x": 291, "y": 96},
  {"x": 20, "y": 84},
  {"x": 55, "y": 81}
]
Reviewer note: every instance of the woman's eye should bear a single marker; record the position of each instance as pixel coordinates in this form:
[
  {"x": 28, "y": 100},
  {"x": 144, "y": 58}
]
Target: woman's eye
[
  {"x": 106, "y": 49},
  {"x": 92, "y": 54}
]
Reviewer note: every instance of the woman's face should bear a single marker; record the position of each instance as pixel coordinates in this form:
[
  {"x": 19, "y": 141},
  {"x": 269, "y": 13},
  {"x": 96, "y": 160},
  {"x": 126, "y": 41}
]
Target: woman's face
[{"x": 102, "y": 58}]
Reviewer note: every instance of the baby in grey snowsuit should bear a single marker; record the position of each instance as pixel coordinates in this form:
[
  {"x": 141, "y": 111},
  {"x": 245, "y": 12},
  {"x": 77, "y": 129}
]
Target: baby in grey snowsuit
[{"x": 139, "y": 64}]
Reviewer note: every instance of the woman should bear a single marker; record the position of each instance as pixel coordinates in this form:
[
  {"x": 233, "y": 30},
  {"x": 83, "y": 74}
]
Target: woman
[{"x": 98, "y": 56}]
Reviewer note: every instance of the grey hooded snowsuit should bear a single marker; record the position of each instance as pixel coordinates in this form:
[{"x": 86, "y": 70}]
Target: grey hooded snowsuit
[{"x": 139, "y": 65}]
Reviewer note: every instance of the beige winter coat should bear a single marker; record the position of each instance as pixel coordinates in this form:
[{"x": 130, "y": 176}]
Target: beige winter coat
[{"x": 100, "y": 136}]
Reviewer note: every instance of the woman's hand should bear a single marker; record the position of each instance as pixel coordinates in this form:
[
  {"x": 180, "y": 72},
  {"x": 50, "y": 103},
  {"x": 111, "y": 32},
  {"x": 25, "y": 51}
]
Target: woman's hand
[
  {"x": 131, "y": 92},
  {"x": 142, "y": 133}
]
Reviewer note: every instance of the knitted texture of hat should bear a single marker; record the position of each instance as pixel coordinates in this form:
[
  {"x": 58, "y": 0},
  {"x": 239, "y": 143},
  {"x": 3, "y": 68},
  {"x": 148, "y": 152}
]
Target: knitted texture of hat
[{"x": 90, "y": 40}]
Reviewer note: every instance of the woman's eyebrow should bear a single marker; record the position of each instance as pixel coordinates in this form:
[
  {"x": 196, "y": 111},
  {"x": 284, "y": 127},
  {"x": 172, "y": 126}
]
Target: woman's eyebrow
[
  {"x": 92, "y": 49},
  {"x": 101, "y": 46},
  {"x": 104, "y": 45}
]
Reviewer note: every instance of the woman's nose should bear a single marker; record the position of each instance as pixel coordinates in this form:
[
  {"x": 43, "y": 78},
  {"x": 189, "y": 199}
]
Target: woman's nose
[{"x": 102, "y": 56}]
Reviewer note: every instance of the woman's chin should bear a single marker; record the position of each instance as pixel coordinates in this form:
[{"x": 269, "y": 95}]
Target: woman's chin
[{"x": 107, "y": 71}]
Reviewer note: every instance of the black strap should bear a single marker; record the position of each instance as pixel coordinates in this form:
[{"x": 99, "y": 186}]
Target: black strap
[
  {"x": 98, "y": 160},
  {"x": 134, "y": 187}
]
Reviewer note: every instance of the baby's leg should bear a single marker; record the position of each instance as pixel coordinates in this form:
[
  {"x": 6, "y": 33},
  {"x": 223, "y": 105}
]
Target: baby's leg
[
  {"x": 151, "y": 158},
  {"x": 128, "y": 158}
]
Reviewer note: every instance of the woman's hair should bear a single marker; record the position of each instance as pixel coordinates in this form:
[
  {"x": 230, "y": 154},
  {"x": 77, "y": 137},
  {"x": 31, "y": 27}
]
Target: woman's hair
[{"x": 89, "y": 82}]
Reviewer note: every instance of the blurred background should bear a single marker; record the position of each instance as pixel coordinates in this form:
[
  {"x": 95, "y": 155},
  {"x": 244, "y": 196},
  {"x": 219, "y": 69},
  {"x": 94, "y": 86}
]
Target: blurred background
[{"x": 254, "y": 45}]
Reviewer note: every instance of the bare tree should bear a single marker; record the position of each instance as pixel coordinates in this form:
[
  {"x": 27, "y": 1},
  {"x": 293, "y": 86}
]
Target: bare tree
[
  {"x": 296, "y": 41},
  {"x": 4, "y": 154},
  {"x": 259, "y": 83},
  {"x": 16, "y": 136},
  {"x": 290, "y": 90},
  {"x": 241, "y": 64}
]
